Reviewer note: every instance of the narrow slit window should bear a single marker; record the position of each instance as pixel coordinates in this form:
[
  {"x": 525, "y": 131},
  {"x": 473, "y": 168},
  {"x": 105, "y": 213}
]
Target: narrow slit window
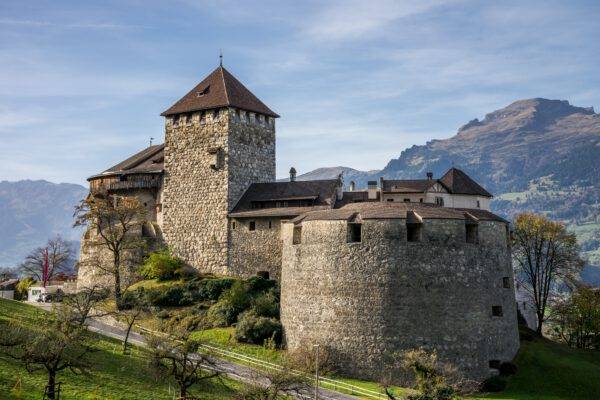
[
  {"x": 297, "y": 236},
  {"x": 390, "y": 200},
  {"x": 233, "y": 225},
  {"x": 252, "y": 225},
  {"x": 506, "y": 282},
  {"x": 413, "y": 232},
  {"x": 472, "y": 233},
  {"x": 407, "y": 200},
  {"x": 270, "y": 224},
  {"x": 497, "y": 311},
  {"x": 355, "y": 233}
]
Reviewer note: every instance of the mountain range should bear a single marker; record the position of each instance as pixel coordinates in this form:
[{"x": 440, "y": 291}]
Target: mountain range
[{"x": 534, "y": 155}]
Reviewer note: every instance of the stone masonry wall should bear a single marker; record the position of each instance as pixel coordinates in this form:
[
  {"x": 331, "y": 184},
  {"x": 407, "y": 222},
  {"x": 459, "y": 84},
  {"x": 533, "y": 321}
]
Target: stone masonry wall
[
  {"x": 198, "y": 196},
  {"x": 258, "y": 250},
  {"x": 371, "y": 299}
]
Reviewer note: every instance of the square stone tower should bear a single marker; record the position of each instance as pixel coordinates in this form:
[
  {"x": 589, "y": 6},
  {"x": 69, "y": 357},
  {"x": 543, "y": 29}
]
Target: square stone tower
[{"x": 219, "y": 138}]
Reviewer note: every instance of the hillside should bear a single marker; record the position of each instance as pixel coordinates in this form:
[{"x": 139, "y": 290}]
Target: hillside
[
  {"x": 33, "y": 211},
  {"x": 537, "y": 154},
  {"x": 113, "y": 375}
]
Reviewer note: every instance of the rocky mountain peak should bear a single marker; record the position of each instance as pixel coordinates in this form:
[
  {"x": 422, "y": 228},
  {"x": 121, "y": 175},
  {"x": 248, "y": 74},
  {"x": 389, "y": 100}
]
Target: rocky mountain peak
[{"x": 531, "y": 114}]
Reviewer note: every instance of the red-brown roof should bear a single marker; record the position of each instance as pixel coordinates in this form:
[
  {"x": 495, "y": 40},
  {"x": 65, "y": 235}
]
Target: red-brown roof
[
  {"x": 459, "y": 182},
  {"x": 219, "y": 89}
]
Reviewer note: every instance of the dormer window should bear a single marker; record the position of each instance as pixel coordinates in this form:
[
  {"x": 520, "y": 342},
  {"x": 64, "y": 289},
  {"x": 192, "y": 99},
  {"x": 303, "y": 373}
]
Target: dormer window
[{"x": 203, "y": 92}]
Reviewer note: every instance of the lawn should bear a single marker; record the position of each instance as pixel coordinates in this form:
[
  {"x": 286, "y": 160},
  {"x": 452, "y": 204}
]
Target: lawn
[{"x": 114, "y": 376}]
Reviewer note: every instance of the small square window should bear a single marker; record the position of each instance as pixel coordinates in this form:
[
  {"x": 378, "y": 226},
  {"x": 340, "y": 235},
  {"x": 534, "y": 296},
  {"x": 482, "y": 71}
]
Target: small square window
[
  {"x": 495, "y": 364},
  {"x": 407, "y": 200},
  {"x": 506, "y": 282},
  {"x": 478, "y": 204},
  {"x": 354, "y": 233},
  {"x": 420, "y": 200},
  {"x": 497, "y": 311},
  {"x": 439, "y": 201},
  {"x": 390, "y": 200},
  {"x": 252, "y": 225}
]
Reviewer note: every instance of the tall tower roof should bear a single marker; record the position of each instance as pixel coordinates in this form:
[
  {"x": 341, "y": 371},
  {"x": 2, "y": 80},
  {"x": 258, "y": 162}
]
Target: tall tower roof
[{"x": 219, "y": 89}]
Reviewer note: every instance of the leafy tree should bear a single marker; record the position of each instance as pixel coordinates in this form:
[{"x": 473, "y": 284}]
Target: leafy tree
[
  {"x": 175, "y": 355},
  {"x": 114, "y": 224},
  {"x": 576, "y": 319},
  {"x": 60, "y": 259},
  {"x": 545, "y": 257},
  {"x": 22, "y": 286},
  {"x": 54, "y": 345},
  {"x": 8, "y": 273},
  {"x": 84, "y": 304}
]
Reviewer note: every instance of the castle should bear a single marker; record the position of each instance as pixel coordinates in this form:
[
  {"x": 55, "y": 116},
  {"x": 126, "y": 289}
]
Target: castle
[{"x": 402, "y": 264}]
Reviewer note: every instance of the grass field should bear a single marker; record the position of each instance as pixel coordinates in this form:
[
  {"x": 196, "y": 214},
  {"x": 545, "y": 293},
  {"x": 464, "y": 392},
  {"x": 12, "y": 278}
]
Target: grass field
[{"x": 114, "y": 376}]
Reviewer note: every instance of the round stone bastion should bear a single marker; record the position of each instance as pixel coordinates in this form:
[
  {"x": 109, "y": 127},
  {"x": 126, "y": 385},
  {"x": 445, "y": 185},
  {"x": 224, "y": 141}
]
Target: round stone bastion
[{"x": 368, "y": 281}]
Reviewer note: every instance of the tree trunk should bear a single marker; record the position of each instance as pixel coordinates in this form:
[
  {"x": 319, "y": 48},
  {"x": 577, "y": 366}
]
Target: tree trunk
[
  {"x": 129, "y": 326},
  {"x": 51, "y": 385},
  {"x": 538, "y": 330},
  {"x": 182, "y": 392},
  {"x": 117, "y": 276}
]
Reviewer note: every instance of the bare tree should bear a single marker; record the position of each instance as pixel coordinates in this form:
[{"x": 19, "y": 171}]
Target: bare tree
[
  {"x": 7, "y": 273},
  {"x": 54, "y": 346},
  {"x": 60, "y": 259},
  {"x": 114, "y": 224},
  {"x": 545, "y": 257},
  {"x": 278, "y": 384},
  {"x": 84, "y": 304},
  {"x": 129, "y": 314},
  {"x": 175, "y": 355}
]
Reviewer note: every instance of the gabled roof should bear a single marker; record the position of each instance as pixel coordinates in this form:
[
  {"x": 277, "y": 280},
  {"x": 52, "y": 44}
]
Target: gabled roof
[
  {"x": 219, "y": 89},
  {"x": 321, "y": 192},
  {"x": 458, "y": 182},
  {"x": 408, "y": 185},
  {"x": 149, "y": 160}
]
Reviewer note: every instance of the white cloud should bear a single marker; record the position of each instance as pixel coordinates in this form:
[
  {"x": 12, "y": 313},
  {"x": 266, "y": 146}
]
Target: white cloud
[{"x": 66, "y": 25}]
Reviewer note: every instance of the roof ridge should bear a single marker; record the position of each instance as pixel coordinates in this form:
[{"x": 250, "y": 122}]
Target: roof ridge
[{"x": 225, "y": 87}]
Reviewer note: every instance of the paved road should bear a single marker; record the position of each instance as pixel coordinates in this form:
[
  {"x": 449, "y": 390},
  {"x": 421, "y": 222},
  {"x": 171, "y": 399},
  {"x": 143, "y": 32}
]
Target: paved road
[{"x": 235, "y": 371}]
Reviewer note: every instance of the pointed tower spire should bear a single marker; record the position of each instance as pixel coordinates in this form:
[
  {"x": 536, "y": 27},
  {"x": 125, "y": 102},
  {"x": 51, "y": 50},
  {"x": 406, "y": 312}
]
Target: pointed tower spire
[{"x": 221, "y": 58}]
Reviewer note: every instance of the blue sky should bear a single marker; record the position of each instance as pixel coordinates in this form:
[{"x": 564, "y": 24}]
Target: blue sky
[{"x": 82, "y": 84}]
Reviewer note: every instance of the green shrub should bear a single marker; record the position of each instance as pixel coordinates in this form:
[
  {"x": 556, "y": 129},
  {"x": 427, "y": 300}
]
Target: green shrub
[
  {"x": 256, "y": 329},
  {"x": 258, "y": 284},
  {"x": 162, "y": 265},
  {"x": 221, "y": 315},
  {"x": 494, "y": 383},
  {"x": 171, "y": 296},
  {"x": 266, "y": 305},
  {"x": 212, "y": 289},
  {"x": 21, "y": 288}
]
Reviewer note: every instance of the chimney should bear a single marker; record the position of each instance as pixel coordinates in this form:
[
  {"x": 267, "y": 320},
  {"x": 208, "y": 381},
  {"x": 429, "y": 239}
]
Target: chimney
[
  {"x": 372, "y": 190},
  {"x": 430, "y": 175},
  {"x": 292, "y": 174},
  {"x": 340, "y": 187},
  {"x": 352, "y": 186}
]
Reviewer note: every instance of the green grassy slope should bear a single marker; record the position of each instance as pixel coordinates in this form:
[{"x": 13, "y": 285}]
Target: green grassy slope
[
  {"x": 114, "y": 376},
  {"x": 552, "y": 371}
]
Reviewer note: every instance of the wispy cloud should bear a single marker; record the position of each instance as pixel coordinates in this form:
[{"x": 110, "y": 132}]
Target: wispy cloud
[{"x": 67, "y": 25}]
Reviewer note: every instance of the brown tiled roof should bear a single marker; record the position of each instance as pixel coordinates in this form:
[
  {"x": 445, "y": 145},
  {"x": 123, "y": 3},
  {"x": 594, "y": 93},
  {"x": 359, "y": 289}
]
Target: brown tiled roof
[
  {"x": 458, "y": 182},
  {"x": 283, "y": 212},
  {"x": 219, "y": 89},
  {"x": 407, "y": 185},
  {"x": 149, "y": 160},
  {"x": 322, "y": 191},
  {"x": 397, "y": 211}
]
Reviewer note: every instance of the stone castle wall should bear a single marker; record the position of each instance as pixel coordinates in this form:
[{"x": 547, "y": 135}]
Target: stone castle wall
[
  {"x": 255, "y": 251},
  {"x": 369, "y": 300},
  {"x": 210, "y": 160}
]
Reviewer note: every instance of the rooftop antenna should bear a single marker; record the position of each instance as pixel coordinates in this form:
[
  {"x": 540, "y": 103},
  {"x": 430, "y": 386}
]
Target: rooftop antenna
[
  {"x": 151, "y": 139},
  {"x": 221, "y": 57}
]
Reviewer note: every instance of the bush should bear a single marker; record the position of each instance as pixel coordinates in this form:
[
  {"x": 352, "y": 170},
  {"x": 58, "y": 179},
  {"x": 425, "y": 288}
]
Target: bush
[
  {"x": 255, "y": 329},
  {"x": 494, "y": 383},
  {"x": 304, "y": 358},
  {"x": 172, "y": 296},
  {"x": 266, "y": 305},
  {"x": 258, "y": 284},
  {"x": 162, "y": 265},
  {"x": 212, "y": 289},
  {"x": 221, "y": 315},
  {"x": 21, "y": 288},
  {"x": 508, "y": 368}
]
